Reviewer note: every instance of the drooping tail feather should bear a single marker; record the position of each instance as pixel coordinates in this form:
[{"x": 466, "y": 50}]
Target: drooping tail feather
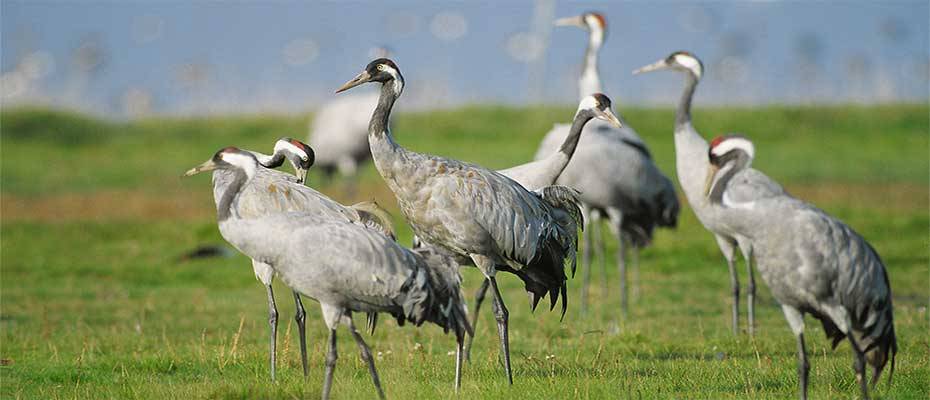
[
  {"x": 443, "y": 303},
  {"x": 544, "y": 275}
]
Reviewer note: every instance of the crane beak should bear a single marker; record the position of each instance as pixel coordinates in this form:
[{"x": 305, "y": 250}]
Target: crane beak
[
  {"x": 709, "y": 181},
  {"x": 652, "y": 67},
  {"x": 609, "y": 116},
  {"x": 208, "y": 165},
  {"x": 302, "y": 175},
  {"x": 358, "y": 80},
  {"x": 571, "y": 21}
]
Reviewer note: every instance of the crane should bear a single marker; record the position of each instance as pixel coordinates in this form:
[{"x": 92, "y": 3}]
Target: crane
[
  {"x": 475, "y": 212},
  {"x": 538, "y": 174},
  {"x": 812, "y": 262},
  {"x": 614, "y": 171},
  {"x": 342, "y": 264},
  {"x": 691, "y": 165},
  {"x": 277, "y": 192}
]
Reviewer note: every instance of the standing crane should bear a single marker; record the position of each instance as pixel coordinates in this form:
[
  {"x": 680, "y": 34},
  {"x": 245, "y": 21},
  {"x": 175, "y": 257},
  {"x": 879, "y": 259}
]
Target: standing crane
[
  {"x": 475, "y": 212},
  {"x": 691, "y": 165},
  {"x": 276, "y": 192},
  {"x": 342, "y": 264},
  {"x": 614, "y": 171},
  {"x": 812, "y": 262},
  {"x": 538, "y": 174}
]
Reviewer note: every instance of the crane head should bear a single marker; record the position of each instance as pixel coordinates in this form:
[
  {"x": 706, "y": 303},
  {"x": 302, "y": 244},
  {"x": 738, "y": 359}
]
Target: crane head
[
  {"x": 679, "y": 60},
  {"x": 380, "y": 70},
  {"x": 589, "y": 20},
  {"x": 299, "y": 154},
  {"x": 598, "y": 106},
  {"x": 227, "y": 158},
  {"x": 727, "y": 152}
]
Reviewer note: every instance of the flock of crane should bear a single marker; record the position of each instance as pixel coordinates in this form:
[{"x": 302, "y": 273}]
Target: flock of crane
[{"x": 525, "y": 221}]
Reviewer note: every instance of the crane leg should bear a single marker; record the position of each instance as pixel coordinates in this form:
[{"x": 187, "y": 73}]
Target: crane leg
[
  {"x": 803, "y": 366},
  {"x": 734, "y": 285},
  {"x": 728, "y": 248},
  {"x": 479, "y": 298},
  {"x": 621, "y": 268},
  {"x": 331, "y": 357},
  {"x": 600, "y": 248},
  {"x": 273, "y": 321},
  {"x": 751, "y": 297},
  {"x": 616, "y": 223},
  {"x": 586, "y": 259},
  {"x": 502, "y": 316},
  {"x": 366, "y": 355},
  {"x": 459, "y": 344},
  {"x": 301, "y": 317},
  {"x": 795, "y": 320},
  {"x": 859, "y": 366},
  {"x": 634, "y": 280}
]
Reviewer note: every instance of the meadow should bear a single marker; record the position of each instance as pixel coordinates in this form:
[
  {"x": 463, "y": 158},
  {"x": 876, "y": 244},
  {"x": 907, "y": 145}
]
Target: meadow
[{"x": 96, "y": 302}]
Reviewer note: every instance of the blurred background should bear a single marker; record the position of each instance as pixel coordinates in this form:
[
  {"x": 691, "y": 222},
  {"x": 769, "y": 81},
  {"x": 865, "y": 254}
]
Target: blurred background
[
  {"x": 124, "y": 59},
  {"x": 107, "y": 294}
]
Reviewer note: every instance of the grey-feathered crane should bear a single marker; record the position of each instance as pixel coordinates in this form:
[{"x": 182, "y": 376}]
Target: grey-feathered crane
[
  {"x": 812, "y": 262},
  {"x": 275, "y": 192},
  {"x": 475, "y": 212},
  {"x": 614, "y": 171},
  {"x": 691, "y": 165},
  {"x": 538, "y": 174},
  {"x": 345, "y": 266}
]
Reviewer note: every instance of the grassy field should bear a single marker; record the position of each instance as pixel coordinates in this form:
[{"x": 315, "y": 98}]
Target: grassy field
[{"x": 95, "y": 303}]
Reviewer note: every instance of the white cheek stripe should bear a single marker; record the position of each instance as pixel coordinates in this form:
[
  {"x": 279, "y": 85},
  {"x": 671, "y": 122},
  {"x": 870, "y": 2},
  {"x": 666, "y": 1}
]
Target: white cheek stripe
[
  {"x": 735, "y": 143},
  {"x": 398, "y": 83},
  {"x": 588, "y": 102},
  {"x": 284, "y": 145},
  {"x": 690, "y": 63},
  {"x": 247, "y": 163}
]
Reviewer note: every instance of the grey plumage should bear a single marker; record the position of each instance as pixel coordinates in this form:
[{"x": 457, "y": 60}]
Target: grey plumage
[
  {"x": 273, "y": 192},
  {"x": 614, "y": 171},
  {"x": 812, "y": 262},
  {"x": 469, "y": 210},
  {"x": 691, "y": 165},
  {"x": 344, "y": 265}
]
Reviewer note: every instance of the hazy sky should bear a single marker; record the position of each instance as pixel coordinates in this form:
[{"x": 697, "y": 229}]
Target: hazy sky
[{"x": 122, "y": 58}]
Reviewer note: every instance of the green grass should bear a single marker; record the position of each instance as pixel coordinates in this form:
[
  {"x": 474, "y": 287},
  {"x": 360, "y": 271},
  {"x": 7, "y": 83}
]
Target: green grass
[{"x": 96, "y": 305}]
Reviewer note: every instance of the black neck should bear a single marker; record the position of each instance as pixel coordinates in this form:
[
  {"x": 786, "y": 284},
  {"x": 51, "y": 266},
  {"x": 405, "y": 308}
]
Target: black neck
[
  {"x": 380, "y": 118},
  {"x": 571, "y": 141},
  {"x": 683, "y": 116},
  {"x": 739, "y": 163},
  {"x": 224, "y": 208},
  {"x": 276, "y": 160}
]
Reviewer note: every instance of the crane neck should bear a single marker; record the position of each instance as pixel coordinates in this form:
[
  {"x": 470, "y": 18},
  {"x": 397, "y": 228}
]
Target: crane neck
[
  {"x": 574, "y": 134},
  {"x": 224, "y": 206},
  {"x": 683, "y": 115},
  {"x": 390, "y": 91},
  {"x": 269, "y": 161},
  {"x": 724, "y": 175},
  {"x": 590, "y": 78}
]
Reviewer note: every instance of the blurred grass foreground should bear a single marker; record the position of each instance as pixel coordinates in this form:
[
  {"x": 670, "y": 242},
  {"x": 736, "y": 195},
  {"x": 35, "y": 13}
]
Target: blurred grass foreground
[{"x": 95, "y": 302}]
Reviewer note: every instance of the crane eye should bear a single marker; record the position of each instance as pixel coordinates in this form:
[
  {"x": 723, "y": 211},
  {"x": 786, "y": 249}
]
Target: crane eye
[{"x": 380, "y": 67}]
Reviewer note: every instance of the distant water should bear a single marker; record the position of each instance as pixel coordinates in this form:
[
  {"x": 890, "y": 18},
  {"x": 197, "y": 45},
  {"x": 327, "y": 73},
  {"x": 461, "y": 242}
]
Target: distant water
[{"x": 134, "y": 58}]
